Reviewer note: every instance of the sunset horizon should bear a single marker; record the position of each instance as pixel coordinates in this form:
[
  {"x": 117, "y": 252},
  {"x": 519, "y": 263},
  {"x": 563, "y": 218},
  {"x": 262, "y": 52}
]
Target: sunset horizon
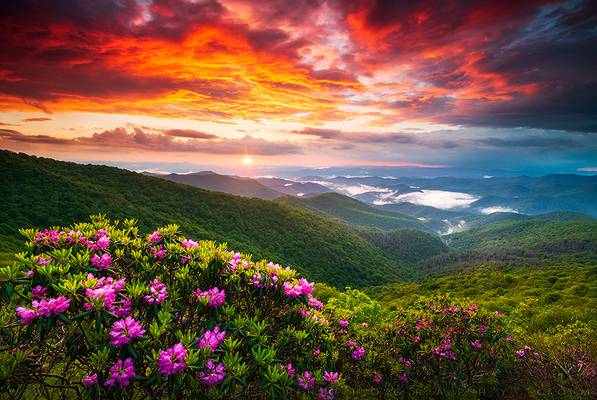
[{"x": 485, "y": 86}]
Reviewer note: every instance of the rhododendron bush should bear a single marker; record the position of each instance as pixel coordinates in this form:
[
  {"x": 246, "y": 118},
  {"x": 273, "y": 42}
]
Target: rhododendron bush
[{"x": 97, "y": 309}]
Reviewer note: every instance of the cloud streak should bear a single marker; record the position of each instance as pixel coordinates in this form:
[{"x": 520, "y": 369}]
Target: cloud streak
[{"x": 122, "y": 138}]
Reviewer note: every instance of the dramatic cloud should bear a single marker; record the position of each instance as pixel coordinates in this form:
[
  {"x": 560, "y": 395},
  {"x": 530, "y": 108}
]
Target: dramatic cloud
[
  {"x": 289, "y": 70},
  {"x": 377, "y": 138},
  {"x": 39, "y": 119},
  {"x": 120, "y": 138}
]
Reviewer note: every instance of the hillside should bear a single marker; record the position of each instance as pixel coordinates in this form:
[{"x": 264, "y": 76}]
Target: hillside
[
  {"x": 293, "y": 188},
  {"x": 43, "y": 192},
  {"x": 549, "y": 240},
  {"x": 525, "y": 233},
  {"x": 354, "y": 212},
  {"x": 238, "y": 186},
  {"x": 542, "y": 298},
  {"x": 407, "y": 245}
]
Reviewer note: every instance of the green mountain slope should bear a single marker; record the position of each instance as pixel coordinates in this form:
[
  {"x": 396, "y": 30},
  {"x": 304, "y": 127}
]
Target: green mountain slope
[
  {"x": 354, "y": 211},
  {"x": 236, "y": 185},
  {"x": 40, "y": 192},
  {"x": 554, "y": 239},
  {"x": 543, "y": 298},
  {"x": 526, "y": 233},
  {"x": 407, "y": 245}
]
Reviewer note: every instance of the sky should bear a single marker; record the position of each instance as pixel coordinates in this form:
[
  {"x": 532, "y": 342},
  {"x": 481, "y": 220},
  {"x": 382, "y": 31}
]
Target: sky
[{"x": 237, "y": 84}]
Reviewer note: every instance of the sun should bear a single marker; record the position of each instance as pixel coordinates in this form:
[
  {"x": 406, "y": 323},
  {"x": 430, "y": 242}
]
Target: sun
[{"x": 247, "y": 160}]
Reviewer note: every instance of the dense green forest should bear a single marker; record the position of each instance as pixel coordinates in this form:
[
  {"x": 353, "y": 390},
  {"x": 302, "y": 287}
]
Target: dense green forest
[
  {"x": 526, "y": 233},
  {"x": 40, "y": 192},
  {"x": 407, "y": 245},
  {"x": 542, "y": 298}
]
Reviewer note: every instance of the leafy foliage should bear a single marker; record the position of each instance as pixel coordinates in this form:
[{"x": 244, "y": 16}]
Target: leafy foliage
[{"x": 105, "y": 312}]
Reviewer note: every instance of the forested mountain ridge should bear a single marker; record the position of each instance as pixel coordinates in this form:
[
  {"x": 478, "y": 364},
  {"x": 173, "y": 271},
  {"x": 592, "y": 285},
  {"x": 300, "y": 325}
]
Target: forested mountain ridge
[{"x": 39, "y": 192}]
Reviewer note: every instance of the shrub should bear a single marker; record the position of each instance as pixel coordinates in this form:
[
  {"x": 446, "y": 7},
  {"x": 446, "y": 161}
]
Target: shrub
[{"x": 97, "y": 310}]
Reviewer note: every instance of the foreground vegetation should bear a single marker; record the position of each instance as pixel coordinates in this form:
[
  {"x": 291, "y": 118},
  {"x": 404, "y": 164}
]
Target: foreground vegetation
[{"x": 97, "y": 310}]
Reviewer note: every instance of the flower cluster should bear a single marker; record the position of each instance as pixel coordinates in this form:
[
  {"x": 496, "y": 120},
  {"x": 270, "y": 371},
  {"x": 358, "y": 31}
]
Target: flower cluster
[
  {"x": 124, "y": 331},
  {"x": 121, "y": 373},
  {"x": 102, "y": 262},
  {"x": 303, "y": 287},
  {"x": 213, "y": 297},
  {"x": 214, "y": 373},
  {"x": 42, "y": 308},
  {"x": 212, "y": 339},
  {"x": 103, "y": 292},
  {"x": 147, "y": 336},
  {"x": 157, "y": 292},
  {"x": 171, "y": 361}
]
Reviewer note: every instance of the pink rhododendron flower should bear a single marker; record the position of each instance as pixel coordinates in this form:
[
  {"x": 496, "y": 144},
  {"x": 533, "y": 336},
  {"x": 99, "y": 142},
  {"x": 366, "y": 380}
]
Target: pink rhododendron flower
[
  {"x": 124, "y": 331},
  {"x": 326, "y": 394},
  {"x": 257, "y": 281},
  {"x": 39, "y": 292},
  {"x": 103, "y": 292},
  {"x": 365, "y": 325},
  {"x": 304, "y": 313},
  {"x": 343, "y": 323},
  {"x": 405, "y": 362},
  {"x": 214, "y": 374},
  {"x": 233, "y": 262},
  {"x": 103, "y": 242},
  {"x": 290, "y": 369},
  {"x": 121, "y": 373},
  {"x": 90, "y": 380},
  {"x": 291, "y": 290},
  {"x": 316, "y": 304},
  {"x": 123, "y": 310},
  {"x": 102, "y": 262},
  {"x": 377, "y": 379},
  {"x": 520, "y": 353},
  {"x": 49, "y": 307},
  {"x": 155, "y": 237},
  {"x": 212, "y": 339},
  {"x": 306, "y": 382},
  {"x": 330, "y": 377},
  {"x": 158, "y": 252},
  {"x": 477, "y": 344},
  {"x": 157, "y": 292},
  {"x": 215, "y": 296},
  {"x": 171, "y": 361},
  {"x": 316, "y": 352},
  {"x": 403, "y": 378},
  {"x": 26, "y": 315},
  {"x": 41, "y": 261},
  {"x": 358, "y": 353},
  {"x": 189, "y": 244}
]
